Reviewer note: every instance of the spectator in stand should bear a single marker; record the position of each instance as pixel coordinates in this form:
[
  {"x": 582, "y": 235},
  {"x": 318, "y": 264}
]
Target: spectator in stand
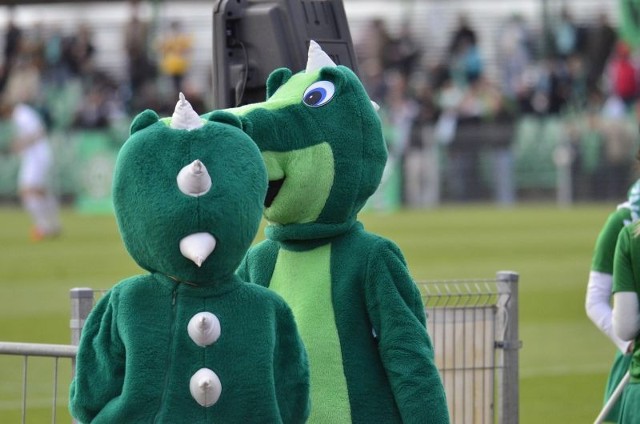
[
  {"x": 622, "y": 75},
  {"x": 601, "y": 41},
  {"x": 141, "y": 71},
  {"x": 12, "y": 42},
  {"x": 553, "y": 88},
  {"x": 465, "y": 61},
  {"x": 56, "y": 69},
  {"x": 566, "y": 35},
  {"x": 398, "y": 112},
  {"x": 515, "y": 54},
  {"x": 577, "y": 75},
  {"x": 402, "y": 52},
  {"x": 80, "y": 51},
  {"x": 25, "y": 79},
  {"x": 464, "y": 34},
  {"x": 371, "y": 49},
  {"x": 381, "y": 42},
  {"x": 98, "y": 107},
  {"x": 482, "y": 104},
  {"x": 175, "y": 51},
  {"x": 421, "y": 168}
]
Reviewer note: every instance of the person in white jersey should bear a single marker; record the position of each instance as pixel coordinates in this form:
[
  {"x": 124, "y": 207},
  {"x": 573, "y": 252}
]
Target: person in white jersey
[{"x": 31, "y": 142}]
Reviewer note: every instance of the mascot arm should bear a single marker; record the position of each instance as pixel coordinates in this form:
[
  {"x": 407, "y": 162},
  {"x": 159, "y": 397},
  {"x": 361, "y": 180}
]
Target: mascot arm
[
  {"x": 257, "y": 265},
  {"x": 292, "y": 371},
  {"x": 99, "y": 374},
  {"x": 398, "y": 317},
  {"x": 243, "y": 269}
]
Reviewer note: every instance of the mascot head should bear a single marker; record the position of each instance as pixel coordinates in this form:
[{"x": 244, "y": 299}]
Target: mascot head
[
  {"x": 188, "y": 194},
  {"x": 322, "y": 143}
]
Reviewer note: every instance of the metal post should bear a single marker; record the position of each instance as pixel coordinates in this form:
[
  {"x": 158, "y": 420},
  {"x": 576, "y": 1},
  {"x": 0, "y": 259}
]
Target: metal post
[
  {"x": 508, "y": 392},
  {"x": 81, "y": 305}
]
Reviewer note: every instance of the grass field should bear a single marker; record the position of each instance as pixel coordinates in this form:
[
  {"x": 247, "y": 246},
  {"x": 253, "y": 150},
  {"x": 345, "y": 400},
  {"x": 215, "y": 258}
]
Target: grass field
[{"x": 563, "y": 362}]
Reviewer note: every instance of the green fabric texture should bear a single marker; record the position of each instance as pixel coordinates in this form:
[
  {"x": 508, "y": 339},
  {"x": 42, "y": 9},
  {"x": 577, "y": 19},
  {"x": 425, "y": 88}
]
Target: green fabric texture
[
  {"x": 630, "y": 408},
  {"x": 136, "y": 356},
  {"x": 626, "y": 278},
  {"x": 385, "y": 354},
  {"x": 619, "y": 368}
]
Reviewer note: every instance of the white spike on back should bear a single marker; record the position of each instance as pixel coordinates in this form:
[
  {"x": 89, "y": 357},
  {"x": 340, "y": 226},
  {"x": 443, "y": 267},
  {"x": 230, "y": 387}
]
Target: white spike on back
[
  {"x": 194, "y": 179},
  {"x": 184, "y": 117},
  {"x": 205, "y": 387},
  {"x": 317, "y": 58},
  {"x": 204, "y": 328},
  {"x": 197, "y": 247}
]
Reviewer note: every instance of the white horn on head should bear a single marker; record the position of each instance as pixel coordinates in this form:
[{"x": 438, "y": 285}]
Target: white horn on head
[
  {"x": 317, "y": 58},
  {"x": 184, "y": 117},
  {"x": 194, "y": 179},
  {"x": 197, "y": 247}
]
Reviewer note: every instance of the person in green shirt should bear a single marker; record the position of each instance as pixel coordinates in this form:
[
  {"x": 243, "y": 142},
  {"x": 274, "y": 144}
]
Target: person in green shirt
[
  {"x": 598, "y": 297},
  {"x": 626, "y": 314}
]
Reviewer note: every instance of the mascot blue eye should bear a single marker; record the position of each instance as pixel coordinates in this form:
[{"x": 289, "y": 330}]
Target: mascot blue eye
[{"x": 319, "y": 93}]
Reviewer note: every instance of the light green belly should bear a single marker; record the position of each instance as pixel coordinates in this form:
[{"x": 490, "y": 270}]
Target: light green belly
[{"x": 303, "y": 279}]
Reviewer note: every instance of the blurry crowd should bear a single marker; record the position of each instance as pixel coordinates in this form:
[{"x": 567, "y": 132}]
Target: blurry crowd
[
  {"x": 582, "y": 73},
  {"x": 441, "y": 116},
  {"x": 44, "y": 64}
]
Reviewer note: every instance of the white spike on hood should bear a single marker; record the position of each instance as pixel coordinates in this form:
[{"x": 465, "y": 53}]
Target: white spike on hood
[
  {"x": 184, "y": 117},
  {"x": 194, "y": 179},
  {"x": 197, "y": 247},
  {"x": 317, "y": 58}
]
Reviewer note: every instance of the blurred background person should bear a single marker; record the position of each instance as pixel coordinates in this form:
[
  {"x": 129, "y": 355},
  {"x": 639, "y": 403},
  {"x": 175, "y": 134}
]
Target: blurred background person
[
  {"x": 175, "y": 51},
  {"x": 30, "y": 141},
  {"x": 12, "y": 40},
  {"x": 141, "y": 69}
]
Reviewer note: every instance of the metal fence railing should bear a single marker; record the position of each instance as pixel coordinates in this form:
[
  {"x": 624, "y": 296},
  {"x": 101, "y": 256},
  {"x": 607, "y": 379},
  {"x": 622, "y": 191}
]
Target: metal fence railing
[
  {"x": 58, "y": 358},
  {"x": 473, "y": 325}
]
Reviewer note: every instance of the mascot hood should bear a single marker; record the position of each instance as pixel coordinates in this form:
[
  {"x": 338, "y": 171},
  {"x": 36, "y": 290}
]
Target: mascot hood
[{"x": 188, "y": 194}]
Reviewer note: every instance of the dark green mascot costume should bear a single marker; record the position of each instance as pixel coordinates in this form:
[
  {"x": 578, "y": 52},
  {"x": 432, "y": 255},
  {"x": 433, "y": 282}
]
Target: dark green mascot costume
[
  {"x": 358, "y": 310},
  {"x": 189, "y": 342}
]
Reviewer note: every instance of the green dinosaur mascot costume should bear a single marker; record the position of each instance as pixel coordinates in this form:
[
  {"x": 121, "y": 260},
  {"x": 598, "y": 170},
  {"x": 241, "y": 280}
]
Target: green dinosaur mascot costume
[
  {"x": 189, "y": 342},
  {"x": 358, "y": 310}
]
